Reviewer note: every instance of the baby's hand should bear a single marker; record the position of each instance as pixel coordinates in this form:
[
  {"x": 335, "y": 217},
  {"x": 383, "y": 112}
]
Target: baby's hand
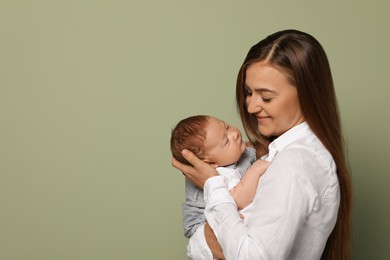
[{"x": 260, "y": 166}]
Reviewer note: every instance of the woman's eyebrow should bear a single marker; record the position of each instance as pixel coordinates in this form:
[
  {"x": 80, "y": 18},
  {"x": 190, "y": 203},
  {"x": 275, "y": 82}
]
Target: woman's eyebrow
[{"x": 261, "y": 90}]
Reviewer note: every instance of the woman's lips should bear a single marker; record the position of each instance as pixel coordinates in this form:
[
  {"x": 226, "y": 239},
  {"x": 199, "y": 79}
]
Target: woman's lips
[{"x": 262, "y": 118}]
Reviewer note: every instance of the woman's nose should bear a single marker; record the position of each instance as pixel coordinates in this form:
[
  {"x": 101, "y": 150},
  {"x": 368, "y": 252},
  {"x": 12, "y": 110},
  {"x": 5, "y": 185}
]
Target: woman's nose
[{"x": 253, "y": 106}]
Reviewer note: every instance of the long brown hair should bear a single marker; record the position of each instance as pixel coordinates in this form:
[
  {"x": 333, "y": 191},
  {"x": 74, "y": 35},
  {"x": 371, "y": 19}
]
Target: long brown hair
[{"x": 301, "y": 57}]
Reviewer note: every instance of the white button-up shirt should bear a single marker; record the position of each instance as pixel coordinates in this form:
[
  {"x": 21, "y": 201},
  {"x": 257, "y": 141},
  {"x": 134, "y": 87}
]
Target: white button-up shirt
[{"x": 295, "y": 207}]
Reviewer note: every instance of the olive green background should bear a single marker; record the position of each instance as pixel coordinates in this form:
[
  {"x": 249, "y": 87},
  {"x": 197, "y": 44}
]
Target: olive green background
[{"x": 90, "y": 90}]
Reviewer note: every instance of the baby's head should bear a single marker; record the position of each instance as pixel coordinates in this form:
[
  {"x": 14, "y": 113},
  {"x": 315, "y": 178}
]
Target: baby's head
[{"x": 209, "y": 138}]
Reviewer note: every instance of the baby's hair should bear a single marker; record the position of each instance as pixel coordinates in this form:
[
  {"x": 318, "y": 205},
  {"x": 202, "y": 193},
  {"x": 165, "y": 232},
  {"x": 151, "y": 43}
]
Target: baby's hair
[{"x": 190, "y": 134}]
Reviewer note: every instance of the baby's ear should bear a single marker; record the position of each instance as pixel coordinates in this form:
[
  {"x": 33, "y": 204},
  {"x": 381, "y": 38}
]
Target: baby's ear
[{"x": 210, "y": 162}]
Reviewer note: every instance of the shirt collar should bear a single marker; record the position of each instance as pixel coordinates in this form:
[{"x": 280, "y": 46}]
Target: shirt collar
[{"x": 285, "y": 139}]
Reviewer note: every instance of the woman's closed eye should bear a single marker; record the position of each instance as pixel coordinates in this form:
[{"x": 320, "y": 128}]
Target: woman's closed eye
[{"x": 266, "y": 100}]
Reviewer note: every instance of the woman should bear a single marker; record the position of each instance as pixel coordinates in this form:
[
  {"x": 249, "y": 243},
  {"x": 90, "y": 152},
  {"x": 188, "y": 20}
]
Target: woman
[{"x": 302, "y": 208}]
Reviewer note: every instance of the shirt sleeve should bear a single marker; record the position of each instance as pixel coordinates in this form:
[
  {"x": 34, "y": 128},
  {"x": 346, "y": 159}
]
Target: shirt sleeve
[{"x": 283, "y": 199}]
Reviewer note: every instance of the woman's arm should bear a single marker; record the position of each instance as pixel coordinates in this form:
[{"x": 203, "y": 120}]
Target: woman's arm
[
  {"x": 280, "y": 208},
  {"x": 244, "y": 192},
  {"x": 274, "y": 224}
]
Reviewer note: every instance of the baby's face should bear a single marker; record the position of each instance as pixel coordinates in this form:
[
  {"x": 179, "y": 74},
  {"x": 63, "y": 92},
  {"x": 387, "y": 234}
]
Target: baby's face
[{"x": 223, "y": 143}]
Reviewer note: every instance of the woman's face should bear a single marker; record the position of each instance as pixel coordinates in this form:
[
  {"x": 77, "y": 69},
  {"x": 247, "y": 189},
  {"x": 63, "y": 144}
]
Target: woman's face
[{"x": 272, "y": 99}]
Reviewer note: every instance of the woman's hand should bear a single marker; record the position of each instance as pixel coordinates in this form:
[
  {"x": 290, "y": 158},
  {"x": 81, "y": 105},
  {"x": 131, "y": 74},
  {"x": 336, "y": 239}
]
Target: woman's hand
[{"x": 199, "y": 173}]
